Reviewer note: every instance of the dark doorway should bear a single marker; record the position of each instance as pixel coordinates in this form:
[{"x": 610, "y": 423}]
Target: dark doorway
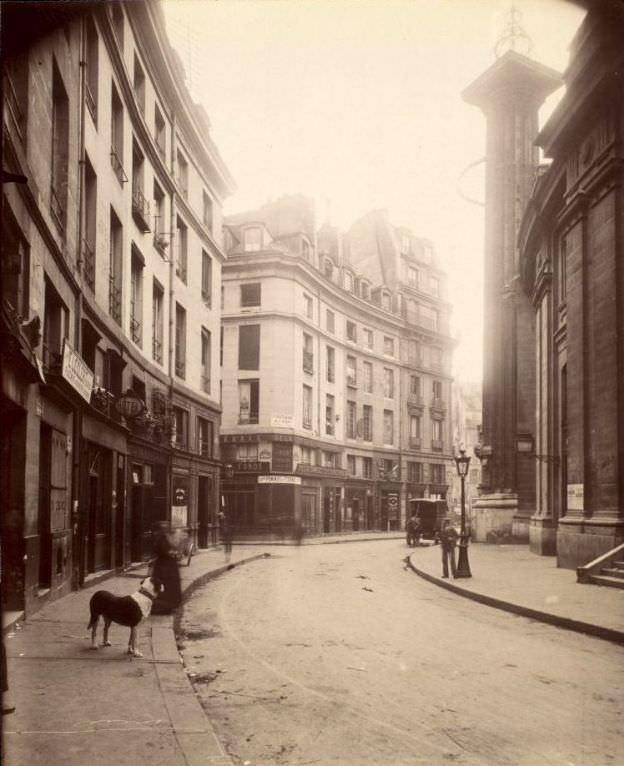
[
  {"x": 327, "y": 503},
  {"x": 205, "y": 512},
  {"x": 45, "y": 535}
]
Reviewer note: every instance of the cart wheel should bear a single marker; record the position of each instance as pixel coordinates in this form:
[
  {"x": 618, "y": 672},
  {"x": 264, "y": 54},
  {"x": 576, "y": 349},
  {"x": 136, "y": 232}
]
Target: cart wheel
[{"x": 191, "y": 550}]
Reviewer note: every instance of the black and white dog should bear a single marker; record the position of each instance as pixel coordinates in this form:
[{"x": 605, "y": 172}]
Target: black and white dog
[{"x": 124, "y": 610}]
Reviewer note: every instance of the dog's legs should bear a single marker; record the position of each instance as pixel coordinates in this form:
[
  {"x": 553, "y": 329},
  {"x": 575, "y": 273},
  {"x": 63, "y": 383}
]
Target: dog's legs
[
  {"x": 105, "y": 641},
  {"x": 94, "y": 624},
  {"x": 132, "y": 645}
]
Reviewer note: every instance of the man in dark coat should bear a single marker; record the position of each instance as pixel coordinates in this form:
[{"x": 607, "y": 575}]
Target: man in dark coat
[
  {"x": 448, "y": 541},
  {"x": 165, "y": 568}
]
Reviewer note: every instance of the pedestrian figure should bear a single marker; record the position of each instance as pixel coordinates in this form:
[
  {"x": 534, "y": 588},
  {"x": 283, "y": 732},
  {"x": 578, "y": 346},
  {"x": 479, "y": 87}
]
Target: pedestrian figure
[
  {"x": 448, "y": 540},
  {"x": 226, "y": 534},
  {"x": 165, "y": 568},
  {"x": 413, "y": 530}
]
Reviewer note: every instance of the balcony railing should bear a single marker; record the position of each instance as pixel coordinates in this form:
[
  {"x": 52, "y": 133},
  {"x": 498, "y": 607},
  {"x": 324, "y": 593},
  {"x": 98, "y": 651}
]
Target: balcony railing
[
  {"x": 308, "y": 361},
  {"x": 415, "y": 401},
  {"x": 117, "y": 166},
  {"x": 114, "y": 298},
  {"x": 58, "y": 210},
  {"x": 161, "y": 243},
  {"x": 352, "y": 380},
  {"x": 91, "y": 102},
  {"x": 436, "y": 444},
  {"x": 88, "y": 264},
  {"x": 438, "y": 404},
  {"x": 157, "y": 350},
  {"x": 141, "y": 210},
  {"x": 414, "y": 442},
  {"x": 135, "y": 328}
]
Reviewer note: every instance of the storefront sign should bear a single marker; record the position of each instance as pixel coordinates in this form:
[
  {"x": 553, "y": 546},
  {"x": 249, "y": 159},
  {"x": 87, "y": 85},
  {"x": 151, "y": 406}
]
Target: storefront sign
[
  {"x": 129, "y": 405},
  {"x": 279, "y": 479},
  {"x": 393, "y": 505},
  {"x": 282, "y": 421},
  {"x": 575, "y": 497},
  {"x": 179, "y": 506},
  {"x": 76, "y": 372},
  {"x": 251, "y": 466}
]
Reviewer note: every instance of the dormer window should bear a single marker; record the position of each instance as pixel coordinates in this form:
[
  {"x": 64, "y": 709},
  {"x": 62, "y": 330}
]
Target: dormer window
[
  {"x": 412, "y": 276},
  {"x": 386, "y": 303},
  {"x": 252, "y": 238},
  {"x": 364, "y": 290},
  {"x": 348, "y": 281}
]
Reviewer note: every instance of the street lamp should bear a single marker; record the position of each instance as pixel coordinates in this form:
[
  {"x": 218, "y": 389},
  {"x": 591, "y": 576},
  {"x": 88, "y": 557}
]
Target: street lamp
[{"x": 462, "y": 461}]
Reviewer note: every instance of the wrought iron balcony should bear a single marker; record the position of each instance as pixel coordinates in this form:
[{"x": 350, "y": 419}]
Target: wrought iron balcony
[
  {"x": 141, "y": 210},
  {"x": 415, "y": 401},
  {"x": 114, "y": 298},
  {"x": 52, "y": 357},
  {"x": 135, "y": 328},
  {"x": 157, "y": 350},
  {"x": 161, "y": 243},
  {"x": 117, "y": 166},
  {"x": 88, "y": 264},
  {"x": 58, "y": 209}
]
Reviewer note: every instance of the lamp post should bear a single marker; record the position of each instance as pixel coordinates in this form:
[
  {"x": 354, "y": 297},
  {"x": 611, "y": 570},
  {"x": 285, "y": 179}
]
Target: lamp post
[{"x": 462, "y": 461}]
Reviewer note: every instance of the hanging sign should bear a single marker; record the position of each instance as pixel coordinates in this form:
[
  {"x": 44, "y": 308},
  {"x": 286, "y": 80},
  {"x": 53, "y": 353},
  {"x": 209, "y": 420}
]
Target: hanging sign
[{"x": 76, "y": 371}]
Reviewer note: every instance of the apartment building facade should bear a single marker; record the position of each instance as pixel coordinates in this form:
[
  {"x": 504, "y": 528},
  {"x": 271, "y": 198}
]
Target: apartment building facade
[
  {"x": 111, "y": 296},
  {"x": 331, "y": 417}
]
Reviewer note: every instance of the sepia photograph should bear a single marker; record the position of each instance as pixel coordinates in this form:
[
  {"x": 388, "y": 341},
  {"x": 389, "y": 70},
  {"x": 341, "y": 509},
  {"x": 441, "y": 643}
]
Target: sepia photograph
[{"x": 312, "y": 383}]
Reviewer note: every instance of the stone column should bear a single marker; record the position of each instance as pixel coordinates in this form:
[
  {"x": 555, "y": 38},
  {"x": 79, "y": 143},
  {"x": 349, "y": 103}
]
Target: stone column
[{"x": 510, "y": 94}]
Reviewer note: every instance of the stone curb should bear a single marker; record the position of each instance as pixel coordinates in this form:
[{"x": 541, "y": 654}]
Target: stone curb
[
  {"x": 588, "y": 628},
  {"x": 319, "y": 541}
]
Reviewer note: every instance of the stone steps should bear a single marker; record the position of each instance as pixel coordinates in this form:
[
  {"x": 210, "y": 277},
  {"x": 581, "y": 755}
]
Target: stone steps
[{"x": 612, "y": 582}]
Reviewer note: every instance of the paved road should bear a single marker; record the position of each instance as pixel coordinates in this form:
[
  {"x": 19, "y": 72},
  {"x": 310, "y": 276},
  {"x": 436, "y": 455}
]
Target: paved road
[{"x": 338, "y": 655}]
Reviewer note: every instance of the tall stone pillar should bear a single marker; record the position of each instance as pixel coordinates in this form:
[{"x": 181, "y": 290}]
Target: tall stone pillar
[{"x": 510, "y": 93}]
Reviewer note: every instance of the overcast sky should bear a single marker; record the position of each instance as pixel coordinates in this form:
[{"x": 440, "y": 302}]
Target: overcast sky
[{"x": 357, "y": 104}]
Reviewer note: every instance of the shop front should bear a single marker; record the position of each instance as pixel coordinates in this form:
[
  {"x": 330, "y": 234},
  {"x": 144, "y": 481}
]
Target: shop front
[
  {"x": 389, "y": 499},
  {"x": 147, "y": 496},
  {"x": 358, "y": 497}
]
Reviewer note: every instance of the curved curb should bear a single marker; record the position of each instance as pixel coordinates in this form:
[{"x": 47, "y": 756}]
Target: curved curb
[
  {"x": 293, "y": 544},
  {"x": 588, "y": 628}
]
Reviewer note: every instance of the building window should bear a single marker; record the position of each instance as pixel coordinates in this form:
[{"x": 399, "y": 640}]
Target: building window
[
  {"x": 160, "y": 133},
  {"x": 388, "y": 383},
  {"x": 368, "y": 338},
  {"x": 136, "y": 296},
  {"x": 438, "y": 473},
  {"x": 330, "y": 321},
  {"x": 307, "y": 406},
  {"x": 351, "y": 331},
  {"x": 412, "y": 276},
  {"x": 330, "y": 417},
  {"x": 15, "y": 265},
  {"x": 182, "y": 175},
  {"x": 206, "y": 359},
  {"x": 348, "y": 281},
  {"x": 247, "y": 453},
  {"x": 206, "y": 279},
  {"x": 414, "y": 352},
  {"x": 55, "y": 326},
  {"x": 158, "y": 294},
  {"x": 386, "y": 302},
  {"x": 138, "y": 84},
  {"x": 331, "y": 364},
  {"x": 415, "y": 472},
  {"x": 414, "y": 385},
  {"x": 207, "y": 216},
  {"x": 90, "y": 226},
  {"x": 115, "y": 268},
  {"x": 60, "y": 150},
  {"x": 388, "y": 346},
  {"x": 160, "y": 240},
  {"x": 390, "y": 469},
  {"x": 140, "y": 205},
  {"x": 367, "y": 371},
  {"x": 411, "y": 311},
  {"x": 434, "y": 286},
  {"x": 435, "y": 357},
  {"x": 248, "y": 401},
  {"x": 117, "y": 136},
  {"x": 308, "y": 306},
  {"x": 309, "y": 456},
  {"x": 330, "y": 459},
  {"x": 180, "y": 428},
  {"x": 562, "y": 270},
  {"x": 249, "y": 347},
  {"x": 308, "y": 354},
  {"x": 351, "y": 465},
  {"x": 436, "y": 433},
  {"x": 328, "y": 268},
  {"x": 351, "y": 420},
  {"x": 365, "y": 290},
  {"x": 437, "y": 389},
  {"x": 388, "y": 427},
  {"x": 351, "y": 371},
  {"x": 414, "y": 431},
  {"x": 180, "y": 341},
  {"x": 252, "y": 239},
  {"x": 181, "y": 261},
  {"x": 428, "y": 317},
  {"x": 367, "y": 467},
  {"x": 205, "y": 438},
  {"x": 367, "y": 423},
  {"x": 250, "y": 295},
  {"x": 91, "y": 83}
]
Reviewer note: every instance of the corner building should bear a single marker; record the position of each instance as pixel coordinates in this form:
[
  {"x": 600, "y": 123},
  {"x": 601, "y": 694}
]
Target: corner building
[
  {"x": 115, "y": 240},
  {"x": 335, "y": 379}
]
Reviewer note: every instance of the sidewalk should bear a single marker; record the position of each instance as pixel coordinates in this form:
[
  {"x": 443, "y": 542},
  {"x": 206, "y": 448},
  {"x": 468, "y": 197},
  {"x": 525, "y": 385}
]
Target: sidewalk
[
  {"x": 75, "y": 706},
  {"x": 510, "y": 577}
]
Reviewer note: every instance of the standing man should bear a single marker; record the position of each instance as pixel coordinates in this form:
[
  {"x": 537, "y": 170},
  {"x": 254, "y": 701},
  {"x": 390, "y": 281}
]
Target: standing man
[
  {"x": 226, "y": 534},
  {"x": 448, "y": 541}
]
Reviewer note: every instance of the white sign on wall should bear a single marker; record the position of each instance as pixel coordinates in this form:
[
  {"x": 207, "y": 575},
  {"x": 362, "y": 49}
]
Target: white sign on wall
[
  {"x": 279, "y": 479},
  {"x": 575, "y": 497},
  {"x": 76, "y": 371},
  {"x": 282, "y": 421}
]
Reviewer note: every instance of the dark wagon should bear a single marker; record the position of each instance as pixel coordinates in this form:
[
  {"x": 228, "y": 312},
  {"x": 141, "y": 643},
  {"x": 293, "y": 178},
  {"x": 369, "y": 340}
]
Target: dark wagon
[{"x": 431, "y": 514}]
